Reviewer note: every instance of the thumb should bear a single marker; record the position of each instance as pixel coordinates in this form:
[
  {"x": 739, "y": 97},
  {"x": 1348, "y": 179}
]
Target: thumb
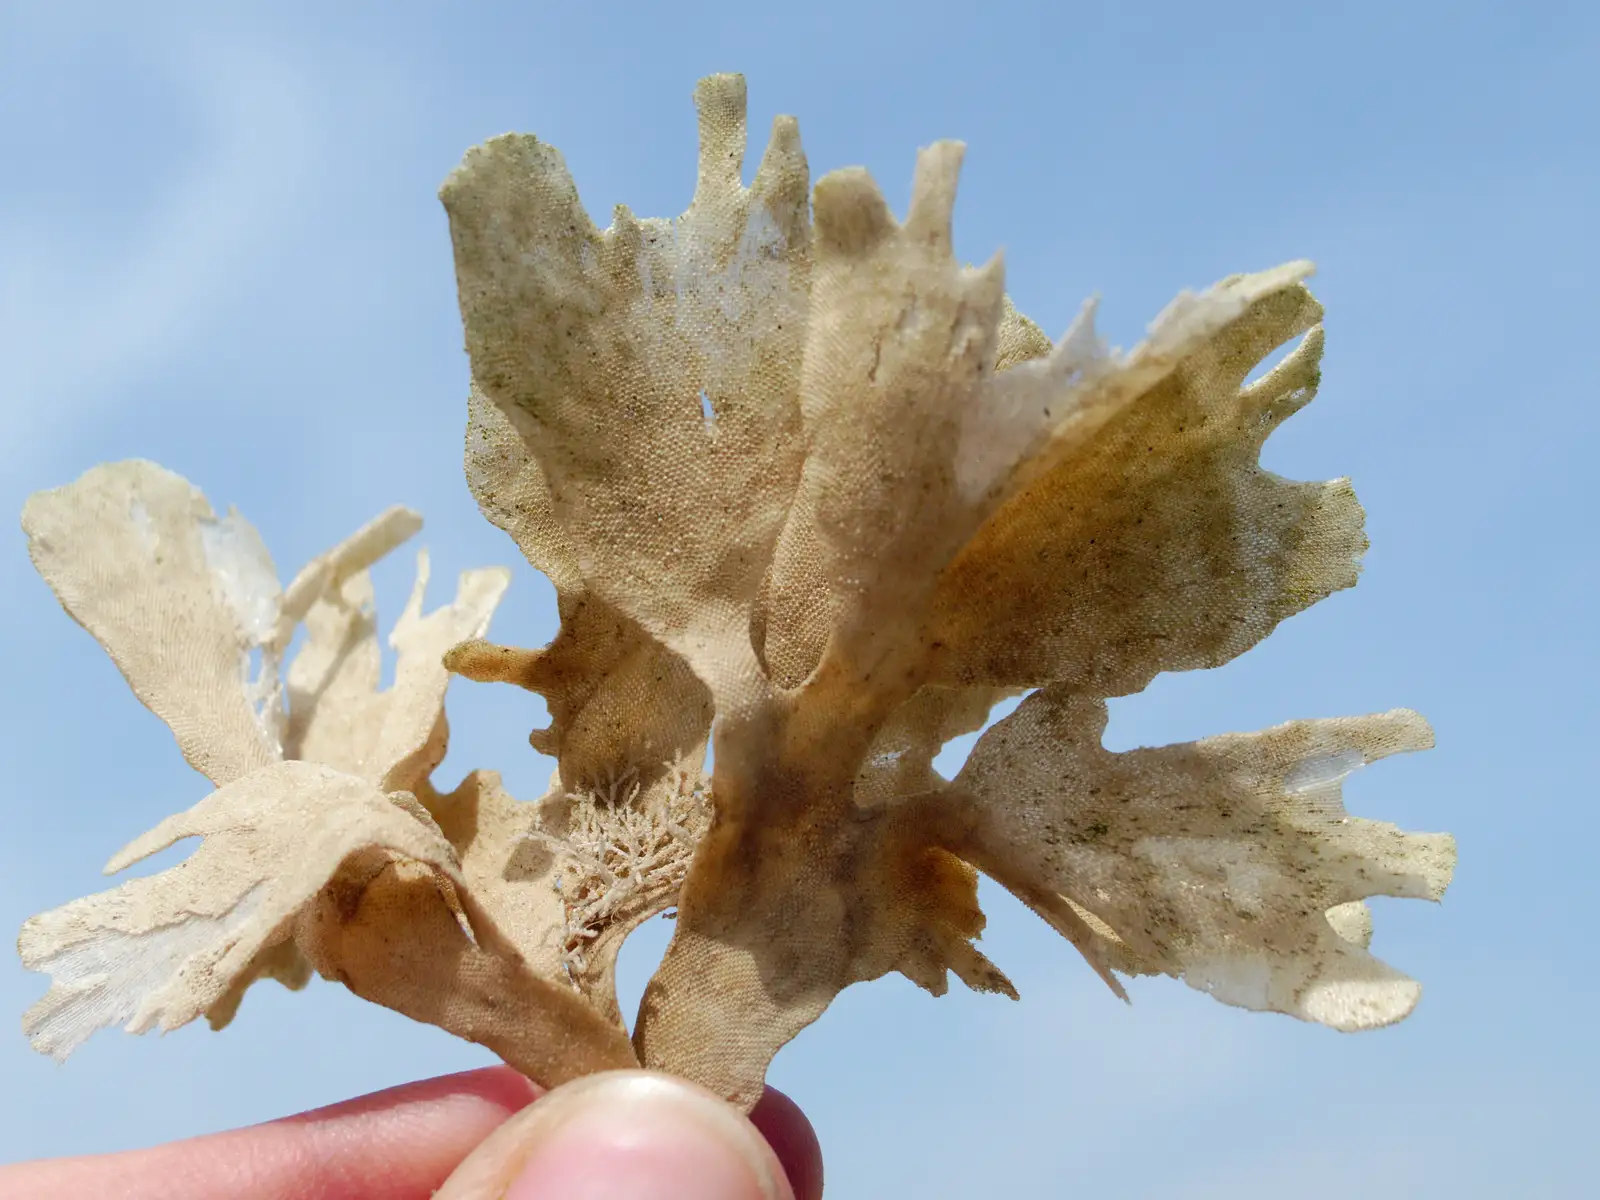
[{"x": 632, "y": 1134}]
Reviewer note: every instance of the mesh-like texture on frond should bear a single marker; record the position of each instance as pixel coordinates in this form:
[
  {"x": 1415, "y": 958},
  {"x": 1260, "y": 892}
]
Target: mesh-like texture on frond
[
  {"x": 316, "y": 850},
  {"x": 836, "y": 475},
  {"x": 812, "y": 490}
]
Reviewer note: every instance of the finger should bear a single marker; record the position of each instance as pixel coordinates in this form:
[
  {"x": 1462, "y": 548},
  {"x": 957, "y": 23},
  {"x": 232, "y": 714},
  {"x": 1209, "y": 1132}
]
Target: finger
[
  {"x": 638, "y": 1134},
  {"x": 398, "y": 1144},
  {"x": 788, "y": 1131}
]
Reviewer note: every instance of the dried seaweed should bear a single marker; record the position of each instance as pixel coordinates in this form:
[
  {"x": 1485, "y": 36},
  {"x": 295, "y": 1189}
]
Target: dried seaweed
[{"x": 816, "y": 495}]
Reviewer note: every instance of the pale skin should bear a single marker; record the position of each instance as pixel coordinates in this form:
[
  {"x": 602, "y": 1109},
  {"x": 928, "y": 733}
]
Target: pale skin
[{"x": 473, "y": 1136}]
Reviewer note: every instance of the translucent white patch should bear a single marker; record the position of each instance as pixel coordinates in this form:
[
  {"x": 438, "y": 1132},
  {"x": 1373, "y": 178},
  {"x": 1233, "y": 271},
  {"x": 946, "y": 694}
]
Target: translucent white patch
[
  {"x": 762, "y": 238},
  {"x": 263, "y": 688},
  {"x": 244, "y": 573},
  {"x": 143, "y": 527},
  {"x": 1244, "y": 982},
  {"x": 1024, "y": 404},
  {"x": 248, "y": 583},
  {"x": 1191, "y": 316},
  {"x": 750, "y": 291},
  {"x": 650, "y": 229},
  {"x": 115, "y": 978},
  {"x": 1314, "y": 774}
]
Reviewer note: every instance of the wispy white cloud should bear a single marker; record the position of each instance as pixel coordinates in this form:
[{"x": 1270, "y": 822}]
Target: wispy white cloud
[{"x": 74, "y": 335}]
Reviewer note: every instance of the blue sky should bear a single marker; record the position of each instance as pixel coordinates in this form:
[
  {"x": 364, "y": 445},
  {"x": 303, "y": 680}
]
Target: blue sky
[{"x": 220, "y": 248}]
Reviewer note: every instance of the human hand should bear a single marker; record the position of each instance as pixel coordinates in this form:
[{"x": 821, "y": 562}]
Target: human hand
[{"x": 624, "y": 1134}]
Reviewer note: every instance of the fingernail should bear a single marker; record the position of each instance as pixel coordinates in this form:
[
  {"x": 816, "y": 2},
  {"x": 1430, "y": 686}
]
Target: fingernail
[{"x": 624, "y": 1134}]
